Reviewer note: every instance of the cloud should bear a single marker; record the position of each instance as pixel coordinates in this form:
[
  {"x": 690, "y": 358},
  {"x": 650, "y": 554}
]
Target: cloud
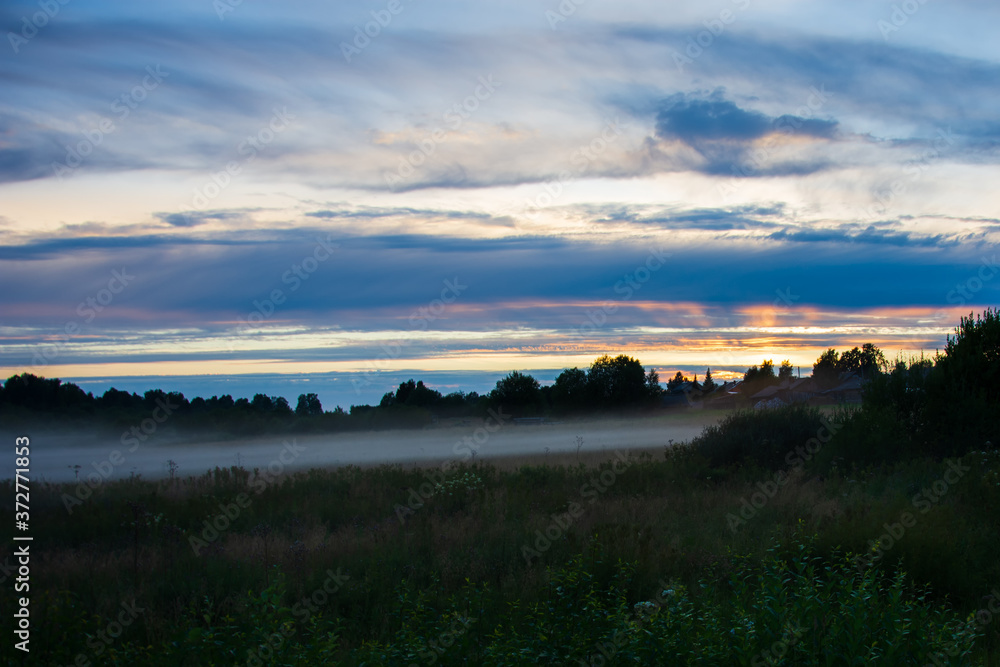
[
  {"x": 747, "y": 217},
  {"x": 199, "y": 115},
  {"x": 870, "y": 235},
  {"x": 375, "y": 280},
  {"x": 28, "y": 149},
  {"x": 696, "y": 120},
  {"x": 371, "y": 212},
  {"x": 724, "y": 134},
  {"x": 196, "y": 218}
]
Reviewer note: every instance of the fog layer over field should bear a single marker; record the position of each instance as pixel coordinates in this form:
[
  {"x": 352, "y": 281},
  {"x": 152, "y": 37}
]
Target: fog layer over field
[{"x": 54, "y": 456}]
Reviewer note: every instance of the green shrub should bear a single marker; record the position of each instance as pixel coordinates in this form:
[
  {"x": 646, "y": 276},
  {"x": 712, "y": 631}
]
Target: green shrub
[
  {"x": 793, "y": 609},
  {"x": 266, "y": 632},
  {"x": 763, "y": 437},
  {"x": 867, "y": 436},
  {"x": 946, "y": 406}
]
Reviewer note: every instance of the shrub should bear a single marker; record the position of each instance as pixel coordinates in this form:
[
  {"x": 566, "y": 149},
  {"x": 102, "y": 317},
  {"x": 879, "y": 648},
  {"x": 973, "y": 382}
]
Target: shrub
[
  {"x": 871, "y": 435},
  {"x": 763, "y": 437},
  {"x": 794, "y": 608}
]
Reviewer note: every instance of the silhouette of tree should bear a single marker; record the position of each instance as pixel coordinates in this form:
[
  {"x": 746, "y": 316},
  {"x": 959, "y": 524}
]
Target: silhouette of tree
[
  {"x": 570, "y": 391},
  {"x": 674, "y": 383},
  {"x": 653, "y": 388},
  {"x": 308, "y": 405},
  {"x": 517, "y": 391},
  {"x": 617, "y": 381},
  {"x": 281, "y": 405},
  {"x": 972, "y": 356},
  {"x": 709, "y": 384},
  {"x": 261, "y": 403},
  {"x": 827, "y": 367},
  {"x": 762, "y": 374},
  {"x": 866, "y": 361},
  {"x": 758, "y": 377}
]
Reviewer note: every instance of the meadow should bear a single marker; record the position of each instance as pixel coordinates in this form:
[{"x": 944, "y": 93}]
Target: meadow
[{"x": 757, "y": 543}]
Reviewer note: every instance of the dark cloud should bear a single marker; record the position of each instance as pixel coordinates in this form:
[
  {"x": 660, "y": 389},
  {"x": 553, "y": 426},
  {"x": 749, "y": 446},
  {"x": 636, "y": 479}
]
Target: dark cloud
[
  {"x": 923, "y": 89},
  {"x": 869, "y": 235},
  {"x": 375, "y": 281},
  {"x": 710, "y": 219},
  {"x": 196, "y": 218},
  {"x": 28, "y": 150},
  {"x": 51, "y": 248},
  {"x": 723, "y": 133},
  {"x": 182, "y": 219},
  {"x": 696, "y": 120}
]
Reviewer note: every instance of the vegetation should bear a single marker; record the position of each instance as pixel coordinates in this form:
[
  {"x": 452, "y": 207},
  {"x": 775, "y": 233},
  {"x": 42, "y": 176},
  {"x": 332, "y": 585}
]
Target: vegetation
[
  {"x": 610, "y": 384},
  {"x": 637, "y": 559},
  {"x": 761, "y": 438},
  {"x": 868, "y": 361},
  {"x": 940, "y": 407}
]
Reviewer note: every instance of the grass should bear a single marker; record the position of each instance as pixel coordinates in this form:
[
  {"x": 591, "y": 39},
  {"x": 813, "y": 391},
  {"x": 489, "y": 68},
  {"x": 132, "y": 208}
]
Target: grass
[{"x": 536, "y": 560}]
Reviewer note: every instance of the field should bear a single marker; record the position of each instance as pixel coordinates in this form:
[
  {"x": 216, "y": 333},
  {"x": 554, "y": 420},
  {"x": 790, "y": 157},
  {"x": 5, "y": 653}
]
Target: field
[
  {"x": 653, "y": 556},
  {"x": 195, "y": 452}
]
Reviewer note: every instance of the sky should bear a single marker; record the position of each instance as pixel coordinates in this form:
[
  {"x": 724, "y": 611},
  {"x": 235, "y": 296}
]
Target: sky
[{"x": 219, "y": 196}]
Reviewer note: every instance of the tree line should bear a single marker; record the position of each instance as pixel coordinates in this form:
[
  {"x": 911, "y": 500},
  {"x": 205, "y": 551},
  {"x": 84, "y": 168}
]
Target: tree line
[{"x": 609, "y": 384}]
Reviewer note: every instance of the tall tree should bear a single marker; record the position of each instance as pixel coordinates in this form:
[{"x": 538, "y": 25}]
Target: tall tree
[
  {"x": 758, "y": 377},
  {"x": 570, "y": 391},
  {"x": 261, "y": 403},
  {"x": 826, "y": 369},
  {"x": 517, "y": 391},
  {"x": 971, "y": 360},
  {"x": 709, "y": 383},
  {"x": 675, "y": 383},
  {"x": 617, "y": 381},
  {"x": 867, "y": 361},
  {"x": 281, "y": 405},
  {"x": 308, "y": 405},
  {"x": 653, "y": 388},
  {"x": 762, "y": 374}
]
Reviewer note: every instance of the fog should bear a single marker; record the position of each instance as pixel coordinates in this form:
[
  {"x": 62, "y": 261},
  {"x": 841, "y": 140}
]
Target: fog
[{"x": 54, "y": 456}]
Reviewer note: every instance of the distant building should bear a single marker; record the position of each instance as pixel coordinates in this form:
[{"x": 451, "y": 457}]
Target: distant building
[{"x": 848, "y": 389}]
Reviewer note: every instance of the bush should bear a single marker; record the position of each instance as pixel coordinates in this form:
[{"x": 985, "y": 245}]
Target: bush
[
  {"x": 867, "y": 436},
  {"x": 763, "y": 437}
]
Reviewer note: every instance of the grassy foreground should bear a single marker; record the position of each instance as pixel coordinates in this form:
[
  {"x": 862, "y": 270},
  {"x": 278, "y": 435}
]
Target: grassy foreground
[{"x": 677, "y": 557}]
